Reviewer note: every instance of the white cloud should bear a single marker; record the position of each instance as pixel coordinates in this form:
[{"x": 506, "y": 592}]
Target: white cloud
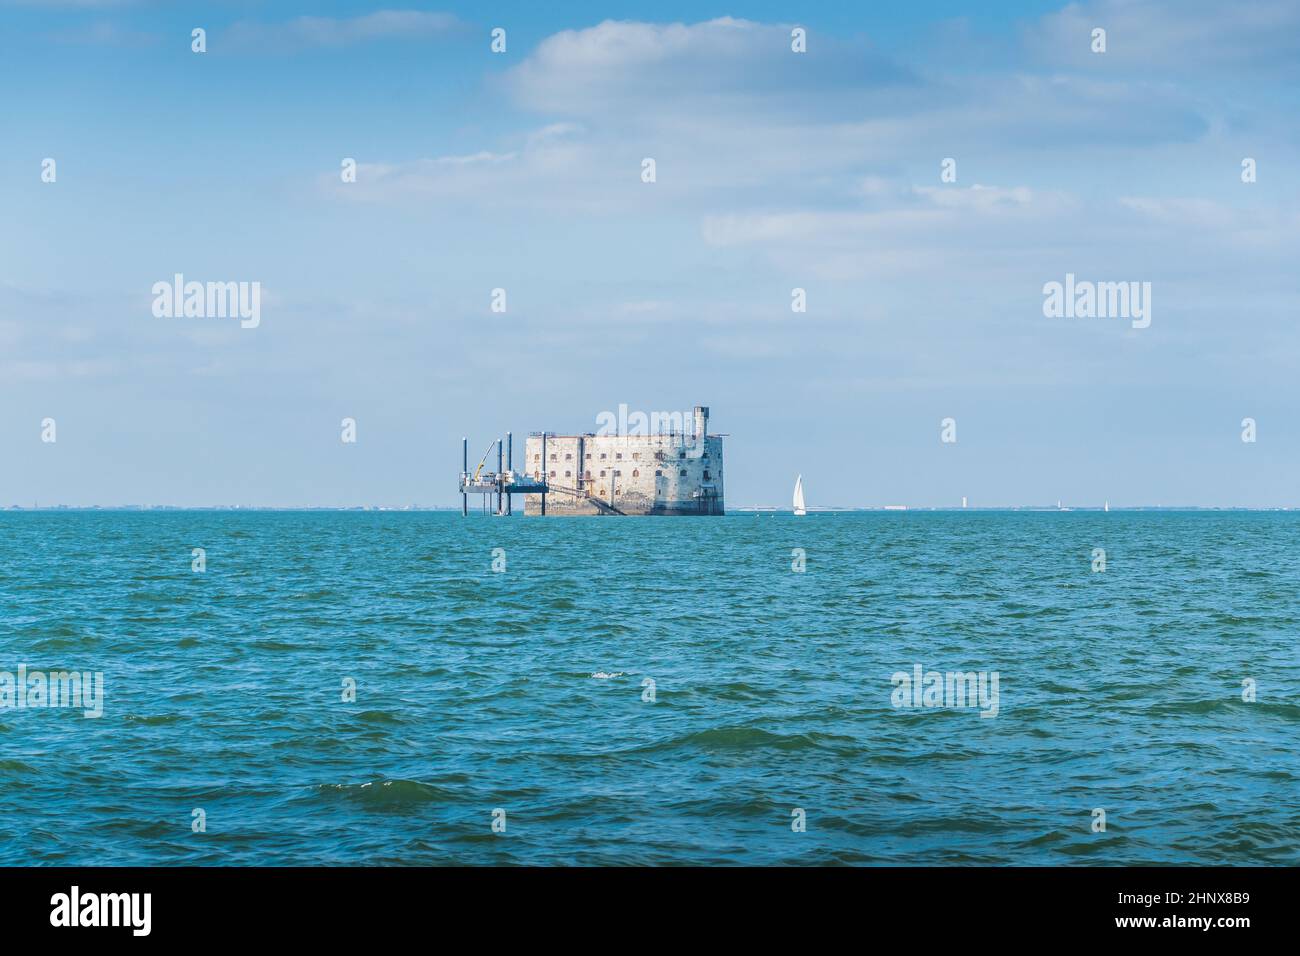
[
  {"x": 1272, "y": 229},
  {"x": 529, "y": 175},
  {"x": 718, "y": 64},
  {"x": 826, "y": 164},
  {"x": 733, "y": 118},
  {"x": 983, "y": 198},
  {"x": 1189, "y": 36},
  {"x": 933, "y": 215},
  {"x": 310, "y": 31}
]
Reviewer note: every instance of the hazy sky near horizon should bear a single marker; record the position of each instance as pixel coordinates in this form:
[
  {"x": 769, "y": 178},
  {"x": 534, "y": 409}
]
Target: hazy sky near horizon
[{"x": 774, "y": 170}]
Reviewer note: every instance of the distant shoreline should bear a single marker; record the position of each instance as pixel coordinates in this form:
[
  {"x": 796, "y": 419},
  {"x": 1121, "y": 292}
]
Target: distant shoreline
[{"x": 749, "y": 509}]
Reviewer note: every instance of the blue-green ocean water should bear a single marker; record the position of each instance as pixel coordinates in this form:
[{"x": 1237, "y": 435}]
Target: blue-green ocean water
[{"x": 1119, "y": 690}]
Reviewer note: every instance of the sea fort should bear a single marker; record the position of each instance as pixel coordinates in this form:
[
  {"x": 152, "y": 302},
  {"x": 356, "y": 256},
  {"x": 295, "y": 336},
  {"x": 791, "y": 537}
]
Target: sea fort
[{"x": 674, "y": 470}]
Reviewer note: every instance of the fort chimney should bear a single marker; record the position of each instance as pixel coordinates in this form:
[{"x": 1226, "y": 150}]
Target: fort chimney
[{"x": 701, "y": 420}]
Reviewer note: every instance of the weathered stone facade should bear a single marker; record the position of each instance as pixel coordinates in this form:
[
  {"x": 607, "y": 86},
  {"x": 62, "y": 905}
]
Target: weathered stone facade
[{"x": 670, "y": 474}]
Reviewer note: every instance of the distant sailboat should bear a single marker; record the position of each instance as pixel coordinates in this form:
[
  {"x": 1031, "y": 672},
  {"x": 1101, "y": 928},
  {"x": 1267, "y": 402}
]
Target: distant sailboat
[
  {"x": 1107, "y": 507},
  {"x": 799, "y": 507}
]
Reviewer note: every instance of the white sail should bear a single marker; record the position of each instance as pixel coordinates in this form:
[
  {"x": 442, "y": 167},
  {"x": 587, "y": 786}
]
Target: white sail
[{"x": 799, "y": 507}]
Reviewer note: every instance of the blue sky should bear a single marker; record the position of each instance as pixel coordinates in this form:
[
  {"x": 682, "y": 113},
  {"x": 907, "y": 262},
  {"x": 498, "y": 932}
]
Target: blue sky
[{"x": 775, "y": 170}]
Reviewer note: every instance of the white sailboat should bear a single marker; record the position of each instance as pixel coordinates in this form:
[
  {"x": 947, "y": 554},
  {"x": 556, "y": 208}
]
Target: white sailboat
[
  {"x": 799, "y": 507},
  {"x": 1107, "y": 508}
]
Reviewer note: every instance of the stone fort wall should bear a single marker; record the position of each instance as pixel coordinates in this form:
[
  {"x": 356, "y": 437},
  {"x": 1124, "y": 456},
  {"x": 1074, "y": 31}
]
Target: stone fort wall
[{"x": 636, "y": 474}]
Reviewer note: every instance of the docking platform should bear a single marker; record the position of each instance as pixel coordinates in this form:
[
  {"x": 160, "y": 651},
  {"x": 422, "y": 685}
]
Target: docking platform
[{"x": 503, "y": 482}]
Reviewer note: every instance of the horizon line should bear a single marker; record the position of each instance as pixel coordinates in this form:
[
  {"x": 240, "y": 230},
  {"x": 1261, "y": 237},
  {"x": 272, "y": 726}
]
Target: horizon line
[{"x": 820, "y": 509}]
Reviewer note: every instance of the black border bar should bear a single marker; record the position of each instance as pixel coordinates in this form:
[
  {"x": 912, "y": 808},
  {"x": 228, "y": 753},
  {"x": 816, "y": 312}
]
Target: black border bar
[{"x": 335, "y": 905}]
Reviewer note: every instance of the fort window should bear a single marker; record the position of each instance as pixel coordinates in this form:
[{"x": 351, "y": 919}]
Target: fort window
[
  {"x": 636, "y": 472},
  {"x": 618, "y": 455},
  {"x": 602, "y": 473},
  {"x": 683, "y": 473},
  {"x": 537, "y": 457},
  {"x": 681, "y": 454},
  {"x": 603, "y": 456},
  {"x": 589, "y": 472},
  {"x": 617, "y": 473},
  {"x": 554, "y": 457},
  {"x": 588, "y": 456},
  {"x": 658, "y": 473},
  {"x": 552, "y": 474},
  {"x": 636, "y": 455},
  {"x": 568, "y": 458},
  {"x": 706, "y": 474}
]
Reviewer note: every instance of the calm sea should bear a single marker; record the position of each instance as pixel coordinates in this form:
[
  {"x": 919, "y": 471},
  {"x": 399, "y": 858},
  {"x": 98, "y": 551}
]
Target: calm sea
[{"x": 652, "y": 690}]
